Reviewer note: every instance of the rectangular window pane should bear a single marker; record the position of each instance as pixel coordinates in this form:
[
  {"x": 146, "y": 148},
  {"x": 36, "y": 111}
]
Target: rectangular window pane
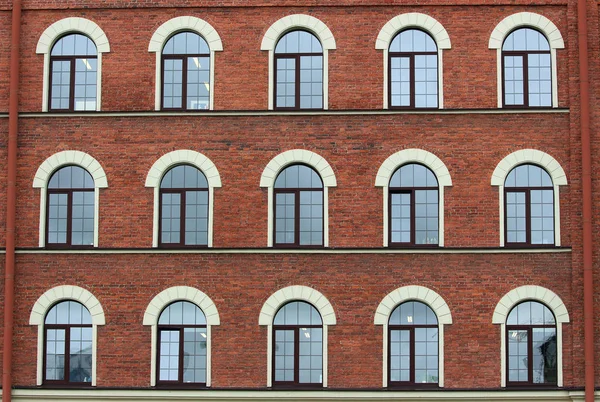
[
  {"x": 400, "y": 217},
  {"x": 198, "y": 83},
  {"x": 196, "y": 218},
  {"x": 400, "y": 73},
  {"x": 194, "y": 355},
  {"x": 85, "y": 84},
  {"x": 284, "y": 355},
  {"x": 286, "y": 82},
  {"x": 285, "y": 211},
  {"x": 311, "y": 217},
  {"x": 168, "y": 355},
  {"x": 61, "y": 84},
  {"x": 55, "y": 354},
  {"x": 170, "y": 218},
  {"x": 516, "y": 231},
  {"x": 80, "y": 357},
  {"x": 513, "y": 80},
  {"x": 57, "y": 218},
  {"x": 172, "y": 83}
]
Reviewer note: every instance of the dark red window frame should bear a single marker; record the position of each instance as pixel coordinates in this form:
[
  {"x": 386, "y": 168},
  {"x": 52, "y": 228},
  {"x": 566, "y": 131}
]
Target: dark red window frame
[
  {"x": 182, "y": 193},
  {"x": 69, "y": 193},
  {"x": 527, "y": 191},
  {"x": 296, "y": 383},
  {"x": 179, "y": 383},
  {"x": 184, "y": 63},
  {"x": 296, "y": 192}
]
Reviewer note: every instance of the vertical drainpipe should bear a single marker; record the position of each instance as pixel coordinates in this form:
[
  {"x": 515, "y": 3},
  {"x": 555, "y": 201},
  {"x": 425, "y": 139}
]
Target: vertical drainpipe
[
  {"x": 9, "y": 268},
  {"x": 586, "y": 167}
]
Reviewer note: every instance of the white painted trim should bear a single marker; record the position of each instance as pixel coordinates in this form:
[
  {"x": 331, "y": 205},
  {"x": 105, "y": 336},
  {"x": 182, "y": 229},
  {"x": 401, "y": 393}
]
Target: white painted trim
[
  {"x": 168, "y": 296},
  {"x": 46, "y": 301},
  {"x": 180, "y": 24},
  {"x": 288, "y": 294},
  {"x": 422, "y": 294},
  {"x": 157, "y": 395},
  {"x": 541, "y": 159},
  {"x": 183, "y": 157},
  {"x": 413, "y": 155},
  {"x": 291, "y": 157},
  {"x": 413, "y": 20},
  {"x": 289, "y": 23},
  {"x": 533, "y": 20},
  {"x": 150, "y": 251},
  {"x": 306, "y": 112},
  {"x": 542, "y": 295},
  {"x": 58, "y": 30},
  {"x": 57, "y": 161}
]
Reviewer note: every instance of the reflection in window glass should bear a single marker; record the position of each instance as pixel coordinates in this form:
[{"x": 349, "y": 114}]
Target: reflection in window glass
[
  {"x": 73, "y": 74},
  {"x": 68, "y": 344},
  {"x": 527, "y": 71},
  {"x": 413, "y": 345},
  {"x": 299, "y": 71},
  {"x": 186, "y": 72},
  {"x": 298, "y": 334},
  {"x": 529, "y": 206},
  {"x": 298, "y": 195},
  {"x": 413, "y": 67},
  {"x": 414, "y": 206},
  {"x": 71, "y": 208},
  {"x": 532, "y": 347},
  {"x": 184, "y": 207},
  {"x": 182, "y": 344}
]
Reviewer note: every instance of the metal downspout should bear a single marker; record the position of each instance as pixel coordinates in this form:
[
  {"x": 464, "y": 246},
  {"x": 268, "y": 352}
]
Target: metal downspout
[
  {"x": 586, "y": 166},
  {"x": 9, "y": 268}
]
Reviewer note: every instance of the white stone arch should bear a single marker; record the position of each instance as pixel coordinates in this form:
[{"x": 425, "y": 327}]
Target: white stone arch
[
  {"x": 413, "y": 20},
  {"x": 55, "y": 162},
  {"x": 413, "y": 293},
  {"x": 46, "y": 301},
  {"x": 295, "y": 156},
  {"x": 58, "y": 30},
  {"x": 289, "y": 23},
  {"x": 534, "y": 293},
  {"x": 183, "y": 157},
  {"x": 412, "y": 155},
  {"x": 538, "y": 22},
  {"x": 286, "y": 295},
  {"x": 535, "y": 157},
  {"x": 176, "y": 25},
  {"x": 171, "y": 295}
]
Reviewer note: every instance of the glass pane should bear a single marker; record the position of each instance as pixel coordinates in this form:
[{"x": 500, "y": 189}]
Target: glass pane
[
  {"x": 186, "y": 43},
  {"x": 284, "y": 355},
  {"x": 168, "y": 355},
  {"x": 55, "y": 354},
  {"x": 530, "y": 313},
  {"x": 298, "y": 42},
  {"x": 68, "y": 312},
  {"x": 80, "y": 357},
  {"x": 298, "y": 176},
  {"x": 182, "y": 313},
  {"x": 413, "y": 175},
  {"x": 71, "y": 177},
  {"x": 170, "y": 218},
  {"x": 413, "y": 313},
  {"x": 60, "y": 85},
  {"x": 194, "y": 355},
  {"x": 310, "y": 355},
  {"x": 74, "y": 45},
  {"x": 524, "y": 39},
  {"x": 297, "y": 313},
  {"x": 544, "y": 355},
  {"x": 413, "y": 40}
]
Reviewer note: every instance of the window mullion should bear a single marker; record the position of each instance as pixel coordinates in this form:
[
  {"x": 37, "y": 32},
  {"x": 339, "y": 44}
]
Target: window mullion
[
  {"x": 182, "y": 218},
  {"x": 69, "y": 236},
  {"x": 528, "y": 216},
  {"x": 72, "y": 85},
  {"x": 297, "y": 217},
  {"x": 413, "y": 220},
  {"x": 180, "y": 362},
  {"x": 530, "y": 355},
  {"x": 411, "y": 332},
  {"x": 297, "y": 73},
  {"x": 67, "y": 352},
  {"x": 412, "y": 72},
  {"x": 525, "y": 79},
  {"x": 297, "y": 355}
]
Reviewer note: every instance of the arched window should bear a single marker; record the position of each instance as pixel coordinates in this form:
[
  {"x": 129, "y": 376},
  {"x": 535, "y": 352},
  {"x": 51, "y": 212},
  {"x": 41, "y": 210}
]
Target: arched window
[
  {"x": 526, "y": 69},
  {"x": 68, "y": 344},
  {"x": 414, "y": 209},
  {"x": 532, "y": 345},
  {"x": 70, "y": 216},
  {"x": 529, "y": 197},
  {"x": 186, "y": 73},
  {"x": 182, "y": 345},
  {"x": 298, "y": 192},
  {"x": 413, "y": 73},
  {"x": 413, "y": 337},
  {"x": 73, "y": 74},
  {"x": 298, "y": 71},
  {"x": 184, "y": 207},
  {"x": 298, "y": 346}
]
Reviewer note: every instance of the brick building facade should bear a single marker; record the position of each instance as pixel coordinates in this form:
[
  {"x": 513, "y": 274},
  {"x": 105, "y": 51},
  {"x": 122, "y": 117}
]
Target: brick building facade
[{"x": 471, "y": 270}]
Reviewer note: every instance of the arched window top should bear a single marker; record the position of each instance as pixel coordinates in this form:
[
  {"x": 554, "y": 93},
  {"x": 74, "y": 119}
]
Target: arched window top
[
  {"x": 525, "y": 39},
  {"x": 413, "y": 175},
  {"x": 526, "y": 19},
  {"x": 183, "y": 157},
  {"x": 298, "y": 176},
  {"x": 74, "y": 294},
  {"x": 530, "y": 293},
  {"x": 298, "y": 22},
  {"x": 300, "y": 157},
  {"x": 61, "y": 28},
  {"x": 413, "y": 40},
  {"x": 296, "y": 294},
  {"x": 182, "y": 313},
  {"x": 75, "y": 158},
  {"x": 413, "y": 313},
  {"x": 529, "y": 156},
  {"x": 71, "y": 177},
  {"x": 184, "y": 176},
  {"x": 168, "y": 297},
  {"x": 417, "y": 156},
  {"x": 297, "y": 313},
  {"x": 528, "y": 175},
  {"x": 422, "y": 22},
  {"x": 74, "y": 45},
  {"x": 530, "y": 313},
  {"x": 186, "y": 43},
  {"x": 69, "y": 313},
  {"x": 429, "y": 298},
  {"x": 185, "y": 23},
  {"x": 298, "y": 41}
]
